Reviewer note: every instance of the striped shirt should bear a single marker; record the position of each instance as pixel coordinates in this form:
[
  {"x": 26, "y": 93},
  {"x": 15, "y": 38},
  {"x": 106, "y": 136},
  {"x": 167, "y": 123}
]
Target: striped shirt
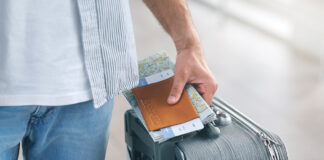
[{"x": 109, "y": 47}]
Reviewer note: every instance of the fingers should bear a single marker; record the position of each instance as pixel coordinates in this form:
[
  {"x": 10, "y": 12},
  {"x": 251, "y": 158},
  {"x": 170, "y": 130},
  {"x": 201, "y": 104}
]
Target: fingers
[
  {"x": 208, "y": 90},
  {"x": 177, "y": 88},
  {"x": 208, "y": 98}
]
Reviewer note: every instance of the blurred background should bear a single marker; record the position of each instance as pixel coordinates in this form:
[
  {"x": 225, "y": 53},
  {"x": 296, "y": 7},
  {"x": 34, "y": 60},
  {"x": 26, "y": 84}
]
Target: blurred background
[{"x": 268, "y": 57}]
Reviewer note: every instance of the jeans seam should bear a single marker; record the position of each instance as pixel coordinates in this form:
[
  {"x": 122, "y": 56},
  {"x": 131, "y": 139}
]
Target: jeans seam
[
  {"x": 17, "y": 152},
  {"x": 36, "y": 111},
  {"x": 30, "y": 122},
  {"x": 27, "y": 132}
]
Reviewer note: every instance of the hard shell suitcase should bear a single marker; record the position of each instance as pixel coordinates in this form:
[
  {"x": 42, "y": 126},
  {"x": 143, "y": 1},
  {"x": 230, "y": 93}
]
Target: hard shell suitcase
[{"x": 242, "y": 139}]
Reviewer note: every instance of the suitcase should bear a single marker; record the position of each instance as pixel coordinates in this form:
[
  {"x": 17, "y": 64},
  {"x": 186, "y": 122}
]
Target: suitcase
[{"x": 241, "y": 139}]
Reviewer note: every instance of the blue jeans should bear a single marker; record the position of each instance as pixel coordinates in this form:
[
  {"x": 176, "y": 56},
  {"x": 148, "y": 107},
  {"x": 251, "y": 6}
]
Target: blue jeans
[{"x": 71, "y": 132}]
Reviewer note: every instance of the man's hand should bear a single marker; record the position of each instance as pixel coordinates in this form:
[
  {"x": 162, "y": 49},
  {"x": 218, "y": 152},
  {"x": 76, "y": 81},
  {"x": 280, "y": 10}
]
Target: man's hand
[{"x": 190, "y": 65}]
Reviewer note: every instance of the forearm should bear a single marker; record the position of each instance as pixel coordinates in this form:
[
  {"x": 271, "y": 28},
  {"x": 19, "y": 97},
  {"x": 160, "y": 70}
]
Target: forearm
[
  {"x": 190, "y": 64},
  {"x": 175, "y": 18}
]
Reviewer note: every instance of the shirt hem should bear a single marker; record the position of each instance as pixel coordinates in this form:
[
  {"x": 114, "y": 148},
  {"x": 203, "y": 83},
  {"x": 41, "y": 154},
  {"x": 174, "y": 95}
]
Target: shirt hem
[{"x": 45, "y": 100}]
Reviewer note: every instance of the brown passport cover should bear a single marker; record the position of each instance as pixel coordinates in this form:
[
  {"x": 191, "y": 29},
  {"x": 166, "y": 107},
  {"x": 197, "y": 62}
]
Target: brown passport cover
[{"x": 157, "y": 113}]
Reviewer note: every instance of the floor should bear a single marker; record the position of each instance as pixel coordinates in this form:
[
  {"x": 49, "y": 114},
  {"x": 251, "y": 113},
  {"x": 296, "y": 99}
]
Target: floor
[{"x": 270, "y": 82}]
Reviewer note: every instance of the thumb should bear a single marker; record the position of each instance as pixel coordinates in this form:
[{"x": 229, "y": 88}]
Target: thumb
[{"x": 177, "y": 88}]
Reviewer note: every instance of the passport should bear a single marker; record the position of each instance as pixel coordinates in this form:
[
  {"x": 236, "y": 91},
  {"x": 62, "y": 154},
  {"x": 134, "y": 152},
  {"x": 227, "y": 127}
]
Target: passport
[{"x": 157, "y": 113}]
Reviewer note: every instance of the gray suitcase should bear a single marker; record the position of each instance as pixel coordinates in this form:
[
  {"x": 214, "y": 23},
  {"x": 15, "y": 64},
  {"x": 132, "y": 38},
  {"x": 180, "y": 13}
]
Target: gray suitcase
[{"x": 242, "y": 139}]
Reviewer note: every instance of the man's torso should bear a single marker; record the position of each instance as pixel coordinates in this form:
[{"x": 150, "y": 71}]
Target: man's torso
[{"x": 41, "y": 57}]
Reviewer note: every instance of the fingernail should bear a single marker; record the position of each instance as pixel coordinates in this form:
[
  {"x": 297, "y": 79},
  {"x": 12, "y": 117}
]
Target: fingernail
[{"x": 172, "y": 99}]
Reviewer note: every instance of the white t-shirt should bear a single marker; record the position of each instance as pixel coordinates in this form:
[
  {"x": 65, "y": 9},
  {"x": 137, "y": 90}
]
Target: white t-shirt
[{"x": 41, "y": 57}]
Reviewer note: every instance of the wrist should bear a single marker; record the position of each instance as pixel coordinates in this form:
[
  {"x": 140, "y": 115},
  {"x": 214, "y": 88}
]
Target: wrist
[{"x": 187, "y": 41}]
